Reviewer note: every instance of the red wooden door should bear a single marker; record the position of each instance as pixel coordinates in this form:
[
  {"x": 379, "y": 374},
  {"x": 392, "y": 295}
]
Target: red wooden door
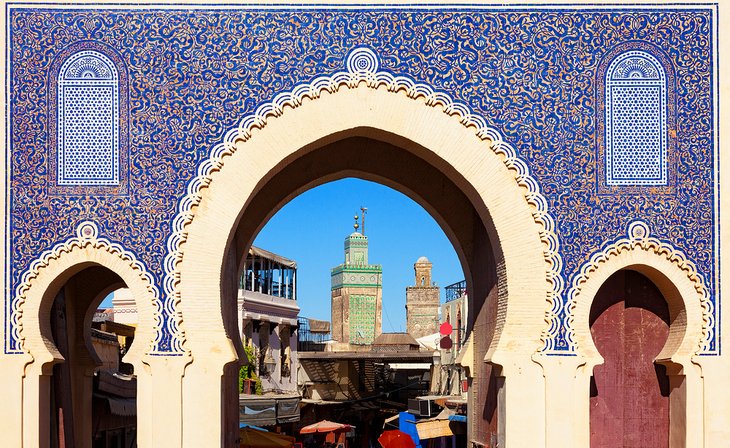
[{"x": 629, "y": 393}]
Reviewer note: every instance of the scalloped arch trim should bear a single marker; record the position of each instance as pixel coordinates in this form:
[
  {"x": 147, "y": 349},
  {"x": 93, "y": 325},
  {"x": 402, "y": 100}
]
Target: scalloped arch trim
[
  {"x": 639, "y": 238},
  {"x": 362, "y": 68},
  {"x": 87, "y": 236}
]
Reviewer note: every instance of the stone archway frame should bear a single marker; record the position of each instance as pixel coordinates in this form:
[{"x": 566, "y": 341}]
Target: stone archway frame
[
  {"x": 33, "y": 299},
  {"x": 363, "y": 70},
  {"x": 690, "y": 311},
  {"x": 364, "y": 97}
]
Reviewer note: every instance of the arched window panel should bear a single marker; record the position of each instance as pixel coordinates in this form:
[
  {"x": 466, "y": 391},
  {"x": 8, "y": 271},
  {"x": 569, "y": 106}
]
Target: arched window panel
[
  {"x": 88, "y": 116},
  {"x": 88, "y": 121},
  {"x": 636, "y": 133}
]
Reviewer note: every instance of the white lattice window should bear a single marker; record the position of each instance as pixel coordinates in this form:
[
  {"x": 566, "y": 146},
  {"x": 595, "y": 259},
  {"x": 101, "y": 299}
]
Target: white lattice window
[
  {"x": 636, "y": 121},
  {"x": 88, "y": 120}
]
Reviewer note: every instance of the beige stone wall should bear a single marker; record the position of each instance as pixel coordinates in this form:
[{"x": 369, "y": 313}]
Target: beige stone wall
[
  {"x": 338, "y": 316},
  {"x": 125, "y": 308},
  {"x": 423, "y": 272},
  {"x": 330, "y": 381}
]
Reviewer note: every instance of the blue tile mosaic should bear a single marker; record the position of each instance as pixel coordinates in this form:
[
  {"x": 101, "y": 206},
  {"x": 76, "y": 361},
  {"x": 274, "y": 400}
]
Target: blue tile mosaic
[{"x": 538, "y": 77}]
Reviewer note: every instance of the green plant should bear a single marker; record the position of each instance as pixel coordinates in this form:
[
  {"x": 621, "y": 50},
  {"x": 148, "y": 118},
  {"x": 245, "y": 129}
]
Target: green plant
[{"x": 247, "y": 372}]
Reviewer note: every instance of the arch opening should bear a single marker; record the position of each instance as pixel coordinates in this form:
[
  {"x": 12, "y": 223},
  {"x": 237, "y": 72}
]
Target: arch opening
[
  {"x": 376, "y": 156},
  {"x": 496, "y": 220},
  {"x": 643, "y": 333},
  {"x": 91, "y": 399},
  {"x": 629, "y": 322}
]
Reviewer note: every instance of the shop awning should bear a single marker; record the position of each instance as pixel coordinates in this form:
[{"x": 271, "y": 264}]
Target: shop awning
[
  {"x": 325, "y": 426},
  {"x": 268, "y": 410},
  {"x": 319, "y": 326},
  {"x": 458, "y": 418},
  {"x": 446, "y": 424},
  {"x": 391, "y": 422},
  {"x": 258, "y": 412},
  {"x": 125, "y": 407},
  {"x": 287, "y": 410},
  {"x": 254, "y": 438},
  {"x": 433, "y": 429},
  {"x": 257, "y": 251}
]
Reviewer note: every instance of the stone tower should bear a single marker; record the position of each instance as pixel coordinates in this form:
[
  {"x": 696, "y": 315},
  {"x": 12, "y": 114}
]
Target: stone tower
[
  {"x": 357, "y": 298},
  {"x": 422, "y": 302}
]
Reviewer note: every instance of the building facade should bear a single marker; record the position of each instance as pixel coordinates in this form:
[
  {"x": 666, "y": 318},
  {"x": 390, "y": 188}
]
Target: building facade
[
  {"x": 574, "y": 154},
  {"x": 268, "y": 315},
  {"x": 452, "y": 346},
  {"x": 422, "y": 302}
]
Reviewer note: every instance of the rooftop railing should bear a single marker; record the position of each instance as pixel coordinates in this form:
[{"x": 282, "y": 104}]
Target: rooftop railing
[{"x": 455, "y": 290}]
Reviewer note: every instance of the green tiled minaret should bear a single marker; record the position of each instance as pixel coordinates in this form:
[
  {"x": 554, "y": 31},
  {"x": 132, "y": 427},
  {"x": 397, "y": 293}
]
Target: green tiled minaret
[{"x": 356, "y": 294}]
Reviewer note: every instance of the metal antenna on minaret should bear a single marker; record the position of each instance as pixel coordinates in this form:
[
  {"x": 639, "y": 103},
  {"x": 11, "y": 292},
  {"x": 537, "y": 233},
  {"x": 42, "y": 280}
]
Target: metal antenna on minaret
[{"x": 363, "y": 210}]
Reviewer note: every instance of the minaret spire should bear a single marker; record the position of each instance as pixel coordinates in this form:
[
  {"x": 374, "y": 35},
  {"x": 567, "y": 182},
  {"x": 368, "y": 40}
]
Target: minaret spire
[
  {"x": 364, "y": 210},
  {"x": 357, "y": 291}
]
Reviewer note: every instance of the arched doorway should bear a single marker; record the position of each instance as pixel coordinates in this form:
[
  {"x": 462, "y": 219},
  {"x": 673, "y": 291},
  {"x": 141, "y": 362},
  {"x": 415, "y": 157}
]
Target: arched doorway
[
  {"x": 389, "y": 138},
  {"x": 669, "y": 297},
  {"x": 436, "y": 193},
  {"x": 92, "y": 395},
  {"x": 58, "y": 298},
  {"x": 630, "y": 323}
]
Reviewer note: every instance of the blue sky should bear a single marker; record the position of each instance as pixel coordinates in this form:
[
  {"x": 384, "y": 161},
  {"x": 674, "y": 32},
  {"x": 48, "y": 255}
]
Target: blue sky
[{"x": 311, "y": 229}]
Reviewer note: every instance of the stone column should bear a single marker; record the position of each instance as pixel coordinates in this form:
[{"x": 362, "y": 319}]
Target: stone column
[
  {"x": 567, "y": 400},
  {"x": 521, "y": 403},
  {"x": 11, "y": 412}
]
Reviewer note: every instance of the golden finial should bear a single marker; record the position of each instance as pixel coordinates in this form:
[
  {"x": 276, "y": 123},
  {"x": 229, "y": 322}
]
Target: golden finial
[{"x": 356, "y": 224}]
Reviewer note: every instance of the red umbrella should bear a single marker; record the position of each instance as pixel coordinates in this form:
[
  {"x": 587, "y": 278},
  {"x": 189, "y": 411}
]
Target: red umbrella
[
  {"x": 325, "y": 426},
  {"x": 396, "y": 439}
]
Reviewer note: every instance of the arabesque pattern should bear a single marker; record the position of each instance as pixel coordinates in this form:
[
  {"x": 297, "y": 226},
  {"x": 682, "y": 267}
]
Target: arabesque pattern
[
  {"x": 362, "y": 66},
  {"x": 533, "y": 75}
]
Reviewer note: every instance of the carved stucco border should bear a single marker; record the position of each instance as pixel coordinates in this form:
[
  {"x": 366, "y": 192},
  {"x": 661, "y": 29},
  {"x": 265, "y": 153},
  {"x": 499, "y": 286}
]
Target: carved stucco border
[
  {"x": 363, "y": 68},
  {"x": 87, "y": 235},
  {"x": 639, "y": 238}
]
